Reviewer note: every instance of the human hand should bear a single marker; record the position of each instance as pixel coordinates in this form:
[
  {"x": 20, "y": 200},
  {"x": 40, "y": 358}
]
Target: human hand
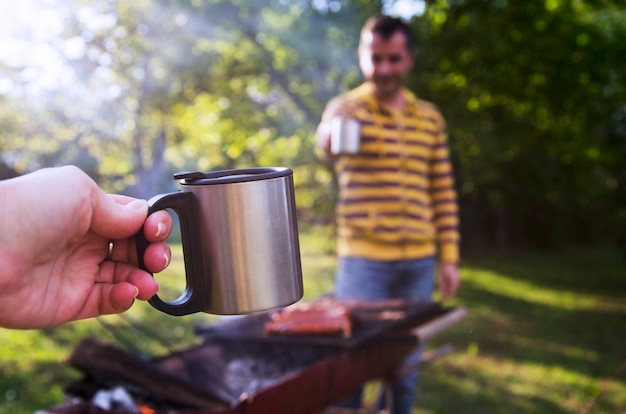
[
  {"x": 56, "y": 226},
  {"x": 323, "y": 137},
  {"x": 449, "y": 280},
  {"x": 336, "y": 108}
]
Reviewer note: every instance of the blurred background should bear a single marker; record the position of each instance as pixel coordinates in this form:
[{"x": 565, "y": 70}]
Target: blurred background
[{"x": 535, "y": 100}]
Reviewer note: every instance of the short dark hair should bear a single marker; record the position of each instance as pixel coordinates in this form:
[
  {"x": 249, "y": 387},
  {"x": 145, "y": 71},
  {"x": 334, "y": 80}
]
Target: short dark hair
[{"x": 386, "y": 26}]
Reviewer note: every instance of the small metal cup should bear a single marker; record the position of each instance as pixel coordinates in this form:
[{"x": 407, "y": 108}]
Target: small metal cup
[
  {"x": 345, "y": 136},
  {"x": 240, "y": 241}
]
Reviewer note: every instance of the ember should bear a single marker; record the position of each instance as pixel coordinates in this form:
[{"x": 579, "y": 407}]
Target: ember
[{"x": 240, "y": 369}]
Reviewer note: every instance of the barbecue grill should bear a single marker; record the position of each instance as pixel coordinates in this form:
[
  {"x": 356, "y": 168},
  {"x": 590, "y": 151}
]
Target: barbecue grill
[{"x": 240, "y": 369}]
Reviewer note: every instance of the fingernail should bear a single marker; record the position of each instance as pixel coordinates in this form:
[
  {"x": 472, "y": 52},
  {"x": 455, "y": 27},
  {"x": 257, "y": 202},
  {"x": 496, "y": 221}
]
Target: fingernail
[
  {"x": 136, "y": 292},
  {"x": 168, "y": 258},
  {"x": 137, "y": 204},
  {"x": 160, "y": 230}
]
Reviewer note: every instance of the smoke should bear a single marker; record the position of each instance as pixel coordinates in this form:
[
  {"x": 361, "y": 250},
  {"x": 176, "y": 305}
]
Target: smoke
[
  {"x": 405, "y": 9},
  {"x": 89, "y": 69}
]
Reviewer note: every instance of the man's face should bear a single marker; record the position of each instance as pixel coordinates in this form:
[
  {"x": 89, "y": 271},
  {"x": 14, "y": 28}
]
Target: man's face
[{"x": 385, "y": 62}]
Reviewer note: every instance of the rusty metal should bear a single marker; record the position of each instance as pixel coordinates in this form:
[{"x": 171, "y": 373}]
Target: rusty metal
[
  {"x": 324, "y": 382},
  {"x": 310, "y": 390}
]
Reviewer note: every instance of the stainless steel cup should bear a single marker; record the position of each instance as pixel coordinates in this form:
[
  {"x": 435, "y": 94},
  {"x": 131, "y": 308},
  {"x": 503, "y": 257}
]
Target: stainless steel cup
[
  {"x": 345, "y": 136},
  {"x": 240, "y": 241}
]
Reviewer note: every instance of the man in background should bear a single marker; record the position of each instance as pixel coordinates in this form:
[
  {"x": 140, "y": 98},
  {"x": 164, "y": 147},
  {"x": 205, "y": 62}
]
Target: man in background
[{"x": 397, "y": 213}]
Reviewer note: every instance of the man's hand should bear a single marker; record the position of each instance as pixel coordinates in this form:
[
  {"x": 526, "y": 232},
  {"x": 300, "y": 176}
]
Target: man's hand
[
  {"x": 337, "y": 107},
  {"x": 67, "y": 249},
  {"x": 449, "y": 280}
]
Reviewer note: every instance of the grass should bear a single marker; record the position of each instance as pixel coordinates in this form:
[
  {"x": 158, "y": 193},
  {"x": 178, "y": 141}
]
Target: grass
[{"x": 545, "y": 333}]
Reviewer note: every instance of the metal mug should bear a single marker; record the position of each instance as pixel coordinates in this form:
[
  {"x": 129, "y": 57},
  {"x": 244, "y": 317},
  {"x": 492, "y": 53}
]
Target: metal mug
[
  {"x": 240, "y": 241},
  {"x": 345, "y": 136}
]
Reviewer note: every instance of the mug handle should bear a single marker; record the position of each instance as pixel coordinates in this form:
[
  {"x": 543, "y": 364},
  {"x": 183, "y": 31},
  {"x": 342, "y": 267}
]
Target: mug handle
[{"x": 185, "y": 206}]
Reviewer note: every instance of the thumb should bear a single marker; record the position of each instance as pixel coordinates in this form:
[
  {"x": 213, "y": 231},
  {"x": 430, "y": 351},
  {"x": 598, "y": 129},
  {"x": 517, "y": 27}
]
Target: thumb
[{"x": 117, "y": 218}]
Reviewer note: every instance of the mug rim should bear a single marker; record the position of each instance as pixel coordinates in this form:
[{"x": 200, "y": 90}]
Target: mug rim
[{"x": 236, "y": 175}]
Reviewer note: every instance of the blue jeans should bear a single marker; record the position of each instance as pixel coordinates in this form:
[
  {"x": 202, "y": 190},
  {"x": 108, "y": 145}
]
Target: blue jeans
[{"x": 358, "y": 278}]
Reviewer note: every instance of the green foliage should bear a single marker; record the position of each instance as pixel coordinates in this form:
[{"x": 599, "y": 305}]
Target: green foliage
[
  {"x": 533, "y": 94},
  {"x": 534, "y": 97}
]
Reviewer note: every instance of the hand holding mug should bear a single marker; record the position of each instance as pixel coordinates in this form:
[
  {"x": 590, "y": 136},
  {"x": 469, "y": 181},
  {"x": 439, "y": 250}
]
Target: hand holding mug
[
  {"x": 339, "y": 132},
  {"x": 67, "y": 249}
]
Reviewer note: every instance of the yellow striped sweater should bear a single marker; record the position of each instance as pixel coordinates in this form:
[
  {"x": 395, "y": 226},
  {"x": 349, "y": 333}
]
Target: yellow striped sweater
[{"x": 396, "y": 197}]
